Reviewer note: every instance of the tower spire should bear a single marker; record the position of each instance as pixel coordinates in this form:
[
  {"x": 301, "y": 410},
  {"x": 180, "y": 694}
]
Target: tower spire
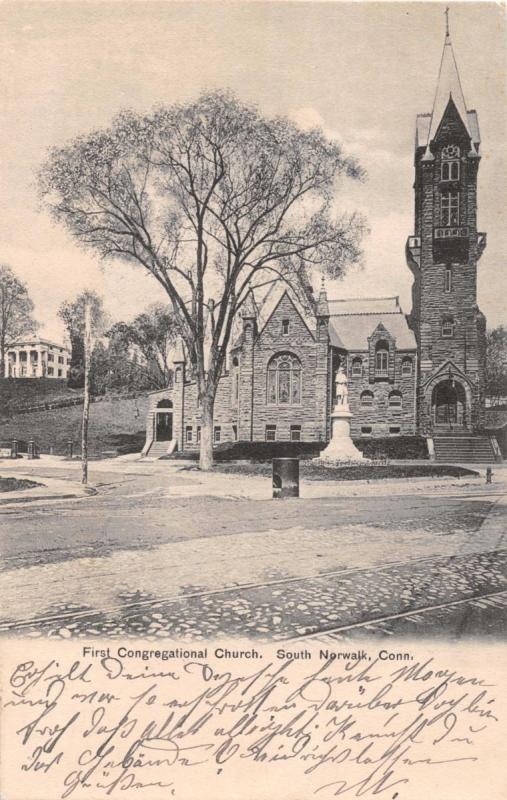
[{"x": 448, "y": 87}]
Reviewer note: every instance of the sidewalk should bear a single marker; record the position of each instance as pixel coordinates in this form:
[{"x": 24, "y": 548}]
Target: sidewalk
[
  {"x": 181, "y": 479},
  {"x": 52, "y": 489}
]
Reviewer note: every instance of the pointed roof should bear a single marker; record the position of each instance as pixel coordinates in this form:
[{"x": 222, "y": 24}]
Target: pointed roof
[
  {"x": 448, "y": 88},
  {"x": 322, "y": 309},
  {"x": 249, "y": 306},
  {"x": 179, "y": 352}
]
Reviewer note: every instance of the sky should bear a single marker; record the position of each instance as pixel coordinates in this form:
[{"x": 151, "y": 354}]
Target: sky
[{"x": 361, "y": 71}]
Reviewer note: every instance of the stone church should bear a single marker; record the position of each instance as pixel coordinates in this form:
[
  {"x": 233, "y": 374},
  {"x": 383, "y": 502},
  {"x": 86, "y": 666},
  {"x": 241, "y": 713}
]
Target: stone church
[{"x": 416, "y": 374}]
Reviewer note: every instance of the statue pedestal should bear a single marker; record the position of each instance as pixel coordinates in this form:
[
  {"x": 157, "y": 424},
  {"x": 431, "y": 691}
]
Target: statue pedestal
[{"x": 341, "y": 448}]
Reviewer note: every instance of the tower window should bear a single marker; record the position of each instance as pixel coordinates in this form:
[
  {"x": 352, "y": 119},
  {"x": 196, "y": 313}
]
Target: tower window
[
  {"x": 448, "y": 279},
  {"x": 448, "y": 328},
  {"x": 285, "y": 327},
  {"x": 217, "y": 433},
  {"x": 450, "y": 209},
  {"x": 450, "y": 171}
]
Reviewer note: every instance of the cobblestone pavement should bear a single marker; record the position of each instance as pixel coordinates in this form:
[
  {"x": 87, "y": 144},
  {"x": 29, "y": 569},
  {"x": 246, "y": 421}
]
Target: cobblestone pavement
[
  {"x": 135, "y": 560},
  {"x": 293, "y": 608}
]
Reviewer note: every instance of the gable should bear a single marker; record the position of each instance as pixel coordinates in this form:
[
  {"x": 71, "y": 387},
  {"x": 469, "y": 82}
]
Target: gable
[
  {"x": 354, "y": 331},
  {"x": 286, "y": 309},
  {"x": 451, "y": 126}
]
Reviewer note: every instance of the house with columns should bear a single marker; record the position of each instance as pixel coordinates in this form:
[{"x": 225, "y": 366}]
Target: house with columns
[
  {"x": 37, "y": 358},
  {"x": 420, "y": 374}
]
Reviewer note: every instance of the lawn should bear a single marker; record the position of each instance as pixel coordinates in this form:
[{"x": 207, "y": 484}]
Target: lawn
[
  {"x": 316, "y": 472},
  {"x": 15, "y": 484},
  {"x": 116, "y": 425}
]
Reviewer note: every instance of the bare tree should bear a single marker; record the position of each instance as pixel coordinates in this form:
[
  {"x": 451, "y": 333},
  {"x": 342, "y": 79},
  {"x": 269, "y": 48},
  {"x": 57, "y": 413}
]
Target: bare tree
[
  {"x": 16, "y": 311},
  {"x": 213, "y": 200}
]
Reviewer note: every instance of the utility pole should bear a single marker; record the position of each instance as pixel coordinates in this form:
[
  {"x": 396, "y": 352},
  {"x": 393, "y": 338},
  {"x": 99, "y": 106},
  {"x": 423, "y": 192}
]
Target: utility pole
[{"x": 86, "y": 405}]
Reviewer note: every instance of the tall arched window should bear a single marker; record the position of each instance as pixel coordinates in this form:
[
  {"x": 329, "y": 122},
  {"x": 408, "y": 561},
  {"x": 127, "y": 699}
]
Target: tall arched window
[
  {"x": 381, "y": 359},
  {"x": 284, "y": 380},
  {"x": 450, "y": 163},
  {"x": 235, "y": 379}
]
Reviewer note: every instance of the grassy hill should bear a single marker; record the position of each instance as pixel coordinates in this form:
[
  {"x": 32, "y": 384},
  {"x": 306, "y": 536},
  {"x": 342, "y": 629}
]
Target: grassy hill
[
  {"x": 17, "y": 394},
  {"x": 115, "y": 425}
]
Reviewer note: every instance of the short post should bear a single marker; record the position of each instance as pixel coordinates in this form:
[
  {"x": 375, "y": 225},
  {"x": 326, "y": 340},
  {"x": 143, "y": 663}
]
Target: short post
[
  {"x": 14, "y": 448},
  {"x": 70, "y": 448},
  {"x": 489, "y": 473},
  {"x": 285, "y": 477},
  {"x": 31, "y": 450}
]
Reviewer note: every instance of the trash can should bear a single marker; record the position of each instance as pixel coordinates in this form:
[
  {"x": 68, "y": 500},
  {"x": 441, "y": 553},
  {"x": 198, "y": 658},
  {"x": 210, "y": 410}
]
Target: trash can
[{"x": 285, "y": 477}]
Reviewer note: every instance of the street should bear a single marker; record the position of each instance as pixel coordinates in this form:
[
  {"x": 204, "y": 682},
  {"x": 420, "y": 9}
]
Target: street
[{"x": 165, "y": 552}]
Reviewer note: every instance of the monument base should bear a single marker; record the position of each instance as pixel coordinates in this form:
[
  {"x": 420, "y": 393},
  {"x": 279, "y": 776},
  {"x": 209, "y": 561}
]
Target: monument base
[{"x": 341, "y": 449}]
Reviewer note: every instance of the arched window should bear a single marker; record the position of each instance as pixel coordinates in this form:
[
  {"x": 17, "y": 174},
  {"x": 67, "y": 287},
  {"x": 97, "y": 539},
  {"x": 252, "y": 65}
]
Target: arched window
[
  {"x": 177, "y": 375},
  {"x": 450, "y": 163},
  {"x": 406, "y": 367},
  {"x": 284, "y": 380},
  {"x": 450, "y": 170},
  {"x": 235, "y": 379},
  {"x": 448, "y": 327},
  {"x": 395, "y": 400},
  {"x": 382, "y": 359},
  {"x": 366, "y": 399},
  {"x": 357, "y": 368}
]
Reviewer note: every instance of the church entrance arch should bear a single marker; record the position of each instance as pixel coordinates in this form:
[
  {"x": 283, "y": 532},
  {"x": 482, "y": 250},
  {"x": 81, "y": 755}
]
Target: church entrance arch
[
  {"x": 448, "y": 403},
  {"x": 164, "y": 421}
]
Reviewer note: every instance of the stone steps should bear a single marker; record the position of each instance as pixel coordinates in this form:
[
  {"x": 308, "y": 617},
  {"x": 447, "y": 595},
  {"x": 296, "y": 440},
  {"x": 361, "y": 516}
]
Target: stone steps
[{"x": 463, "y": 449}]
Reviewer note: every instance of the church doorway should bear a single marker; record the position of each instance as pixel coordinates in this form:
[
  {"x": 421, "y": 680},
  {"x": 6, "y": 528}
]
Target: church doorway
[
  {"x": 164, "y": 421},
  {"x": 448, "y": 404}
]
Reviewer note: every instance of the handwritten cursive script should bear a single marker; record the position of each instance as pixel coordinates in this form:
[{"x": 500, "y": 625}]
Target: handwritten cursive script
[{"x": 107, "y": 726}]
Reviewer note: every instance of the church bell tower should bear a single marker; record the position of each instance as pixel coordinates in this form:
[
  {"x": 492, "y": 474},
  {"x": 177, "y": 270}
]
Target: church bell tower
[{"x": 443, "y": 255}]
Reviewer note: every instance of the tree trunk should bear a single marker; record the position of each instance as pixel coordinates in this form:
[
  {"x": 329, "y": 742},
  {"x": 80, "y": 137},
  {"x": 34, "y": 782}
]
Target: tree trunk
[
  {"x": 86, "y": 404},
  {"x": 206, "y": 451}
]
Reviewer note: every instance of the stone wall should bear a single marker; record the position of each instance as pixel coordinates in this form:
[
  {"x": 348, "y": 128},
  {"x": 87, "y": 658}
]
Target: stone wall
[
  {"x": 380, "y": 416},
  {"x": 301, "y": 342}
]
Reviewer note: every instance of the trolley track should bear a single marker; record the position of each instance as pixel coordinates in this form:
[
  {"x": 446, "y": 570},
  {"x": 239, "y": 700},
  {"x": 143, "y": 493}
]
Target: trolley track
[{"x": 297, "y": 586}]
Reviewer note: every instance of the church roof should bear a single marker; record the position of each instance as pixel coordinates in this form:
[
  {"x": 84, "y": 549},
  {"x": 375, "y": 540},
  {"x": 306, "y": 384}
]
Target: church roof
[{"x": 352, "y": 321}]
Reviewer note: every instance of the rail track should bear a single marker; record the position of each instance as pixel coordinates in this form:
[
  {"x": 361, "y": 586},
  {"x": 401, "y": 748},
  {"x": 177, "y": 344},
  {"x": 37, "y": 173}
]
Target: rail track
[{"x": 374, "y": 623}]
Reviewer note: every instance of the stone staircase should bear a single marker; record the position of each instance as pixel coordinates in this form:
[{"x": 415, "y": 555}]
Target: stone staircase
[
  {"x": 157, "y": 450},
  {"x": 464, "y": 450}
]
